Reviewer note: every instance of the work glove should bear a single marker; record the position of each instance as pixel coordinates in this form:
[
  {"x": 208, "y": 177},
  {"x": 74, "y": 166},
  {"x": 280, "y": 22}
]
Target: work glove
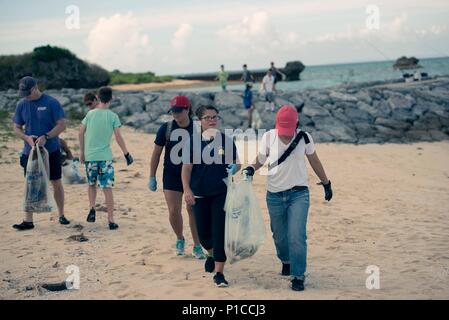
[
  {"x": 152, "y": 184},
  {"x": 327, "y": 190},
  {"x": 232, "y": 169},
  {"x": 129, "y": 159},
  {"x": 249, "y": 171}
]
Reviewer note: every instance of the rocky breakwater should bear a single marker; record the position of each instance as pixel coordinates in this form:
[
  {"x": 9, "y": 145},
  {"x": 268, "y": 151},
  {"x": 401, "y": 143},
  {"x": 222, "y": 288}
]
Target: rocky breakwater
[{"x": 360, "y": 113}]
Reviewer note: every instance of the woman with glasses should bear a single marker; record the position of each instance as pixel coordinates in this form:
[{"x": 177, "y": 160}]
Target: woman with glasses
[
  {"x": 213, "y": 157},
  {"x": 181, "y": 111}
]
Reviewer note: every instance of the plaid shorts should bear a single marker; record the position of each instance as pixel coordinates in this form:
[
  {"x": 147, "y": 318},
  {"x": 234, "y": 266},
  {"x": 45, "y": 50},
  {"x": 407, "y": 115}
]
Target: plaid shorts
[{"x": 101, "y": 172}]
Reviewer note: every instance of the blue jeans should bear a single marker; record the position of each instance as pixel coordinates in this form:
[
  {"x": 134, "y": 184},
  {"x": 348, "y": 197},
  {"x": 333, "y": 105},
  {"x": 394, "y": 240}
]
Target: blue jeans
[{"x": 288, "y": 214}]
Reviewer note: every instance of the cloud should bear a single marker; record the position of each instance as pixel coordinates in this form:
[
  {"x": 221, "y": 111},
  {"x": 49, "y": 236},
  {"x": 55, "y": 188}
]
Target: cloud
[
  {"x": 118, "y": 42},
  {"x": 180, "y": 37},
  {"x": 255, "y": 33}
]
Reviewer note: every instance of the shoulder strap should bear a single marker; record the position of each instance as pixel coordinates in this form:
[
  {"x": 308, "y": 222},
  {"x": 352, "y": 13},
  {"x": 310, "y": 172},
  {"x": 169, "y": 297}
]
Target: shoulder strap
[
  {"x": 168, "y": 132},
  {"x": 291, "y": 147}
]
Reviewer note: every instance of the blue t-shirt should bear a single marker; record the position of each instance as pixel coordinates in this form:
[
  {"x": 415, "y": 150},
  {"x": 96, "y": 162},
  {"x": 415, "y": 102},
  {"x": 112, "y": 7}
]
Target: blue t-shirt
[
  {"x": 39, "y": 117},
  {"x": 208, "y": 173},
  {"x": 247, "y": 98},
  {"x": 161, "y": 140}
]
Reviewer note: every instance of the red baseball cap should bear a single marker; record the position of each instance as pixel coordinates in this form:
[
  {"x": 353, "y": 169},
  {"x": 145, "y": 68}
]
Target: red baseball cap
[
  {"x": 286, "y": 120},
  {"x": 179, "y": 104}
]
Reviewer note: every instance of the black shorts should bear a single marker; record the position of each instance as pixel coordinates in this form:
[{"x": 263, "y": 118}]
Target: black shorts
[
  {"x": 54, "y": 160},
  {"x": 172, "y": 181}
]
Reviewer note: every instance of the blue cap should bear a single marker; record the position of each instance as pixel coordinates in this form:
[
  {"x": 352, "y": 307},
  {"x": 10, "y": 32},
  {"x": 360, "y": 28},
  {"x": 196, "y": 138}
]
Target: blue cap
[{"x": 25, "y": 86}]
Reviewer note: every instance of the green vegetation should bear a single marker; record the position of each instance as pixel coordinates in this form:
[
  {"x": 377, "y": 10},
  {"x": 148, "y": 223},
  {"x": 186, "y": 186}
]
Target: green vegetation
[
  {"x": 118, "y": 77},
  {"x": 53, "y": 67}
]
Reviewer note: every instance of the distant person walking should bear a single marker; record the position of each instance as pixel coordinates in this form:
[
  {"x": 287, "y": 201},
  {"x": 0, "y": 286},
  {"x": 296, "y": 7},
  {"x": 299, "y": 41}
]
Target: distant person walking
[
  {"x": 43, "y": 118},
  {"x": 278, "y": 75},
  {"x": 288, "y": 202},
  {"x": 247, "y": 76},
  {"x": 248, "y": 102},
  {"x": 222, "y": 77},
  {"x": 95, "y": 144},
  {"x": 269, "y": 88},
  {"x": 181, "y": 110}
]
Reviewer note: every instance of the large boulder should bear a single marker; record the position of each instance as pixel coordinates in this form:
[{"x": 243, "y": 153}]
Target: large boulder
[
  {"x": 228, "y": 100},
  {"x": 138, "y": 120},
  {"x": 313, "y": 110},
  {"x": 404, "y": 63},
  {"x": 133, "y": 102},
  {"x": 293, "y": 70},
  {"x": 399, "y": 101}
]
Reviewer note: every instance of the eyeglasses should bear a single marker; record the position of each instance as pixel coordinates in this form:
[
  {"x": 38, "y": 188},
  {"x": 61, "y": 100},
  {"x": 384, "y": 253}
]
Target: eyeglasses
[
  {"x": 89, "y": 103},
  {"x": 214, "y": 118}
]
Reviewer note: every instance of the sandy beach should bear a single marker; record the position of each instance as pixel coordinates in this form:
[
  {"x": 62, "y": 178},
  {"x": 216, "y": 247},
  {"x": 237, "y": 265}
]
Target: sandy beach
[
  {"x": 174, "y": 84},
  {"x": 390, "y": 209}
]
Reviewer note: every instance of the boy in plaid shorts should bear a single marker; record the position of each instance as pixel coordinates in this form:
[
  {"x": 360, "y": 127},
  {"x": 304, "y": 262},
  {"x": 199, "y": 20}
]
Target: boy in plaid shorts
[{"x": 95, "y": 143}]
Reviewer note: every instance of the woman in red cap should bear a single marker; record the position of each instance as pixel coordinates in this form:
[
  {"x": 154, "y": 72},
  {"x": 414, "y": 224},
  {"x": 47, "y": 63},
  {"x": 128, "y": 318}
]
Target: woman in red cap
[
  {"x": 288, "y": 194},
  {"x": 169, "y": 135}
]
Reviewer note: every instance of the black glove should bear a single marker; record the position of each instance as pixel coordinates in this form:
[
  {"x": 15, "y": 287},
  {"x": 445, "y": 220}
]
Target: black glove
[
  {"x": 327, "y": 190},
  {"x": 129, "y": 159},
  {"x": 249, "y": 171}
]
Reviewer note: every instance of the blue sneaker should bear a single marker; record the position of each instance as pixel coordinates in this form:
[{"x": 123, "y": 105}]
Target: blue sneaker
[
  {"x": 180, "y": 247},
  {"x": 198, "y": 252}
]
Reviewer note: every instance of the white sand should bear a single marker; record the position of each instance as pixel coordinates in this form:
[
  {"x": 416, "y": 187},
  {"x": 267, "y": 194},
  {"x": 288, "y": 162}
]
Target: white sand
[{"x": 390, "y": 209}]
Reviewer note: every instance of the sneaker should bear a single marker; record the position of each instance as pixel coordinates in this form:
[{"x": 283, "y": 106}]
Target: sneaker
[
  {"x": 113, "y": 226},
  {"x": 180, "y": 243},
  {"x": 198, "y": 252},
  {"x": 285, "y": 269},
  {"x": 91, "y": 215},
  {"x": 24, "y": 226},
  {"x": 220, "y": 280},
  {"x": 209, "y": 266},
  {"x": 297, "y": 284},
  {"x": 63, "y": 220}
]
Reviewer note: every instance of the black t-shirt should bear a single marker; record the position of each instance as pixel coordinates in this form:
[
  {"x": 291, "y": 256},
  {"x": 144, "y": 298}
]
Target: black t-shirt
[
  {"x": 173, "y": 165},
  {"x": 209, "y": 171}
]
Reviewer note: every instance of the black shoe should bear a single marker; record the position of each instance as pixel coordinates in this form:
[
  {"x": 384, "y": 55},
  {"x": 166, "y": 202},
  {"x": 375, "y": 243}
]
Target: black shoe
[
  {"x": 113, "y": 226},
  {"x": 285, "y": 269},
  {"x": 24, "y": 226},
  {"x": 298, "y": 284},
  {"x": 209, "y": 265},
  {"x": 91, "y": 215},
  {"x": 220, "y": 280},
  {"x": 63, "y": 220}
]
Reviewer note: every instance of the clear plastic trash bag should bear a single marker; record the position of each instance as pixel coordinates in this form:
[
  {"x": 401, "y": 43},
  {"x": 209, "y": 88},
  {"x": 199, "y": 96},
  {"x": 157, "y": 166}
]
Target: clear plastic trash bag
[
  {"x": 71, "y": 173},
  {"x": 244, "y": 226},
  {"x": 38, "y": 197}
]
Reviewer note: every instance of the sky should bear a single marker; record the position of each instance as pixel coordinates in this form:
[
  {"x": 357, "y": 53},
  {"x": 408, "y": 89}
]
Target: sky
[{"x": 179, "y": 37}]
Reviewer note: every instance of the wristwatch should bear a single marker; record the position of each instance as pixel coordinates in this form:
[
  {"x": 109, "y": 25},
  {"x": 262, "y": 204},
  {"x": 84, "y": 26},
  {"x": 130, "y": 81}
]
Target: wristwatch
[{"x": 47, "y": 137}]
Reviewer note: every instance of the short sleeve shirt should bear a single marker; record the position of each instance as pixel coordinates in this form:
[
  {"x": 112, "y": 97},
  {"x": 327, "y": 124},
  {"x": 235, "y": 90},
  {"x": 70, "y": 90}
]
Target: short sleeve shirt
[
  {"x": 290, "y": 173},
  {"x": 39, "y": 117}
]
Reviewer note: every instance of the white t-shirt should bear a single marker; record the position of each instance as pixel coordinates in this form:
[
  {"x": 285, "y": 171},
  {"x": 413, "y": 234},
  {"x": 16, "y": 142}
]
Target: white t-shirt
[
  {"x": 290, "y": 173},
  {"x": 268, "y": 82}
]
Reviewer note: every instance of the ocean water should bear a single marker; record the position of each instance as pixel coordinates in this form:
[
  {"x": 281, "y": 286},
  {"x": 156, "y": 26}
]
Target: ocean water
[{"x": 323, "y": 76}]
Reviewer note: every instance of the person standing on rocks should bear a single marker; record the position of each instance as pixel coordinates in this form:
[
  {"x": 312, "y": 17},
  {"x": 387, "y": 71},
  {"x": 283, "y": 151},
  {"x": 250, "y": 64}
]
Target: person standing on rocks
[
  {"x": 181, "y": 110},
  {"x": 276, "y": 73},
  {"x": 43, "y": 118},
  {"x": 248, "y": 103},
  {"x": 247, "y": 76},
  {"x": 269, "y": 88},
  {"x": 287, "y": 198},
  {"x": 222, "y": 77}
]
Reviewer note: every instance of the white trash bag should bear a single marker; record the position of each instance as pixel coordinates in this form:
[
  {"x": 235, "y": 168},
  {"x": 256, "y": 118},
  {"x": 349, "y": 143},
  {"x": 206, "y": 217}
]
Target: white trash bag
[
  {"x": 38, "y": 197},
  {"x": 244, "y": 226},
  {"x": 71, "y": 173}
]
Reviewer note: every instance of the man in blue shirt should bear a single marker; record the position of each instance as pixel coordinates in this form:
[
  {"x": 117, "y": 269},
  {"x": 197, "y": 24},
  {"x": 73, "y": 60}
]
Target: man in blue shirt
[{"x": 43, "y": 118}]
